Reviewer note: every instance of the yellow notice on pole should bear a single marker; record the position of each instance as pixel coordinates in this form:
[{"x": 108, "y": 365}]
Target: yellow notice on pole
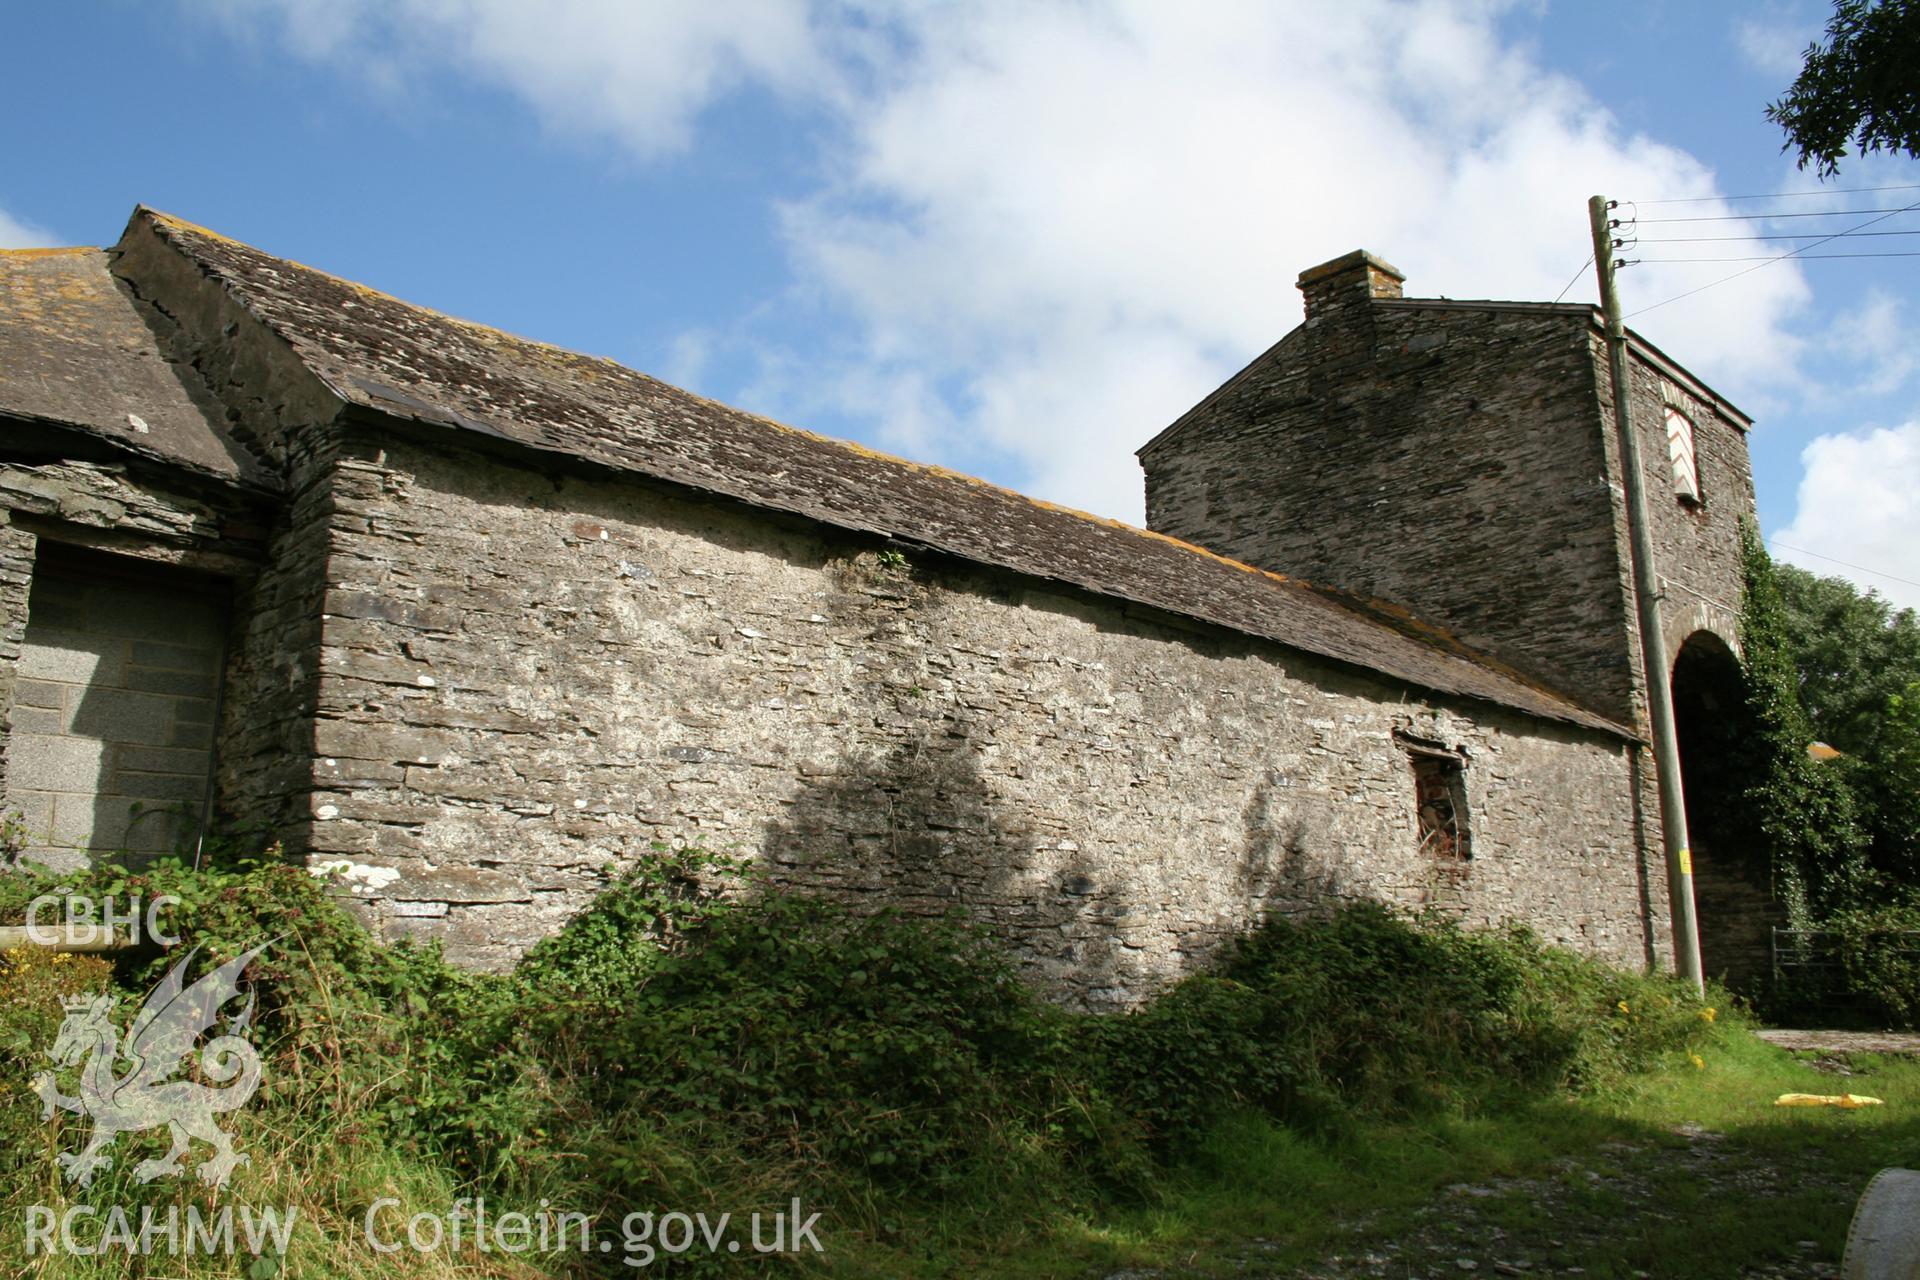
[{"x": 1686, "y": 862}]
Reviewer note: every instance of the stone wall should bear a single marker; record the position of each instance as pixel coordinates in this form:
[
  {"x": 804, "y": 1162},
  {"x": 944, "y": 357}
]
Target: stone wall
[
  {"x": 1738, "y": 914},
  {"x": 526, "y": 679},
  {"x": 16, "y": 580},
  {"x": 1446, "y": 459},
  {"x": 1456, "y": 459},
  {"x": 1696, "y": 545},
  {"x": 265, "y": 767}
]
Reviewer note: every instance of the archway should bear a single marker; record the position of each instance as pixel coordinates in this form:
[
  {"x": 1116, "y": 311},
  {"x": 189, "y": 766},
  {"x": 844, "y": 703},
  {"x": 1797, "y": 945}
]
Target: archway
[{"x": 1731, "y": 883}]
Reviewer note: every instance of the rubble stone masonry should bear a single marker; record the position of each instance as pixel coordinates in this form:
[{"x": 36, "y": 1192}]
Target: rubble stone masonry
[
  {"x": 1460, "y": 459},
  {"x": 527, "y": 678},
  {"x": 504, "y": 618}
]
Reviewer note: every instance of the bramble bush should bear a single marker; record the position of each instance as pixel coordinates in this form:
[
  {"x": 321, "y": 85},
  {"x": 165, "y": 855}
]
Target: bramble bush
[
  {"x": 1368, "y": 1015},
  {"x": 699, "y": 1037}
]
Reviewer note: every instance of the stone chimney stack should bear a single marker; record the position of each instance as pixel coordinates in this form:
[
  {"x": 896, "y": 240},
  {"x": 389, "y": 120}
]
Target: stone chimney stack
[{"x": 1342, "y": 284}]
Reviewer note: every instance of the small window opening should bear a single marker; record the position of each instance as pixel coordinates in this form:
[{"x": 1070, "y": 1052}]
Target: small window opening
[
  {"x": 1680, "y": 452},
  {"x": 1440, "y": 802}
]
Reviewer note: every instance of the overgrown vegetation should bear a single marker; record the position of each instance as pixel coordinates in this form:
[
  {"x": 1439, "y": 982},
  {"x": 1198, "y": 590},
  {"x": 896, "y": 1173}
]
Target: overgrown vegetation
[
  {"x": 1877, "y": 950},
  {"x": 1857, "y": 661},
  {"x": 698, "y": 1042},
  {"x": 1840, "y": 838},
  {"x": 1794, "y": 807}
]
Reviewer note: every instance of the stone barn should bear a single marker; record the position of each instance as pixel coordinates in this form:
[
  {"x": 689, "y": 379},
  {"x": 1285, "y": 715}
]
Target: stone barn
[{"x": 477, "y": 620}]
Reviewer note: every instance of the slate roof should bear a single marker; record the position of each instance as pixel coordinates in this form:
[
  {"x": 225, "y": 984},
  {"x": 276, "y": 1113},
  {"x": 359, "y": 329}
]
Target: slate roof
[
  {"x": 75, "y": 353},
  {"x": 384, "y": 355}
]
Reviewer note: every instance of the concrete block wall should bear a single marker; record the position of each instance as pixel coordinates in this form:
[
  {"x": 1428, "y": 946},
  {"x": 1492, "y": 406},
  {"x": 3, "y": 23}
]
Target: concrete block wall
[
  {"x": 127, "y": 568},
  {"x": 526, "y": 679},
  {"x": 112, "y": 726}
]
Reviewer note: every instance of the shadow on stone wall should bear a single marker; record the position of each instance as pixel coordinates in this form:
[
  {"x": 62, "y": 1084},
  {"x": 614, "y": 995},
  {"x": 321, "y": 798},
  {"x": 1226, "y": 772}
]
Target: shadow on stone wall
[
  {"x": 1285, "y": 866},
  {"x": 117, "y": 679},
  {"x": 919, "y": 828}
]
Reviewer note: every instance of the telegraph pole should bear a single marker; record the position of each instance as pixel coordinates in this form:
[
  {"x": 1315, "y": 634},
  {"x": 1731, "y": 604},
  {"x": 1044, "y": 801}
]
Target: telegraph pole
[{"x": 1646, "y": 588}]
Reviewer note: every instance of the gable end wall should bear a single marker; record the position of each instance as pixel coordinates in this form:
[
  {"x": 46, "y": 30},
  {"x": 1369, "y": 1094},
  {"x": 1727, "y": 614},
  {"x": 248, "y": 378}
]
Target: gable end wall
[{"x": 1448, "y": 460}]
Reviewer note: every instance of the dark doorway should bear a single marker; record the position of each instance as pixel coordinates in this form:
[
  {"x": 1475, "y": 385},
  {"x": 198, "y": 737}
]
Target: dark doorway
[{"x": 1731, "y": 881}]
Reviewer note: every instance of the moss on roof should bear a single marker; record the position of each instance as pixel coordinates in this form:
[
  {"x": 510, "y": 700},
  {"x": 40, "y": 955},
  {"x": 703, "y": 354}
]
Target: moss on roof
[
  {"x": 77, "y": 351},
  {"x": 385, "y": 355}
]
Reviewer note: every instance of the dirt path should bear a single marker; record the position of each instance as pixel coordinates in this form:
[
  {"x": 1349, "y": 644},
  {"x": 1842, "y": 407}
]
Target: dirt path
[
  {"x": 1844, "y": 1041},
  {"x": 1617, "y": 1213},
  {"x": 1570, "y": 1222}
]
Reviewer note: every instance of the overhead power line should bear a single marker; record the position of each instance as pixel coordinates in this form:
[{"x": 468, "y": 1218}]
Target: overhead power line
[
  {"x": 1787, "y": 195},
  {"x": 1878, "y": 573},
  {"x": 1769, "y": 217},
  {"x": 1784, "y": 235},
  {"x": 1804, "y": 257},
  {"x": 1791, "y": 253},
  {"x": 1576, "y": 278}
]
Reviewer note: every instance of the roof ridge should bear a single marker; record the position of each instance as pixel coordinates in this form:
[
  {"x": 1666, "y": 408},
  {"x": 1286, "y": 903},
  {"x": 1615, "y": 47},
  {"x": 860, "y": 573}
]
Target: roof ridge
[
  {"x": 349, "y": 348},
  {"x": 172, "y": 223}
]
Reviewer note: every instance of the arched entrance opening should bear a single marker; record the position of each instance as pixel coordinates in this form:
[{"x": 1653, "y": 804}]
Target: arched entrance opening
[{"x": 1731, "y": 883}]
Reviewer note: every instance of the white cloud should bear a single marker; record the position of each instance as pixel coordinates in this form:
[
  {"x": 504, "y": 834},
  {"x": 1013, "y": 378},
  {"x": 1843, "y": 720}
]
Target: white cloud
[
  {"x": 1877, "y": 343},
  {"x": 1775, "y": 43},
  {"x": 1054, "y": 227},
  {"x": 687, "y": 359},
  {"x": 15, "y": 234},
  {"x": 1087, "y": 216},
  {"x": 638, "y": 73},
  {"x": 1859, "y": 510}
]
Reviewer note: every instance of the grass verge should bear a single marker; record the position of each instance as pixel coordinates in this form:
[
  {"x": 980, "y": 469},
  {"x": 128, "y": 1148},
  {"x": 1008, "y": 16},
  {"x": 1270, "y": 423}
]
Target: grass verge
[{"x": 1365, "y": 1089}]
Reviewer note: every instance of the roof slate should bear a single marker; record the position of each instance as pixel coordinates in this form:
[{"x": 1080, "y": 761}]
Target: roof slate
[
  {"x": 388, "y": 356},
  {"x": 75, "y": 351}
]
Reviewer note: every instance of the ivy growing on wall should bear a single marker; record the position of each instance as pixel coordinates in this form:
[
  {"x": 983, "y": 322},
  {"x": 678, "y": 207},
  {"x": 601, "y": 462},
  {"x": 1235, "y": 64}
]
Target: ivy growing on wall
[{"x": 1800, "y": 811}]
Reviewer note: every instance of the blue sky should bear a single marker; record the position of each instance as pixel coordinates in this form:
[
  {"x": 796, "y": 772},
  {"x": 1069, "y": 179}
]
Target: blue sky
[{"x": 1015, "y": 238}]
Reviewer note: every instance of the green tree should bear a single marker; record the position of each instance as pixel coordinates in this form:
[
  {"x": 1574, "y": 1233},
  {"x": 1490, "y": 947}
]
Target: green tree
[
  {"x": 1854, "y": 651},
  {"x": 1862, "y": 86},
  {"x": 1858, "y": 661},
  {"x": 1797, "y": 809},
  {"x": 1887, "y": 784}
]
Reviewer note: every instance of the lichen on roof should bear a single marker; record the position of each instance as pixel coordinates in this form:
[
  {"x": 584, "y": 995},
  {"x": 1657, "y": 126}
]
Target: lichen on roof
[
  {"x": 67, "y": 251},
  {"x": 77, "y": 354},
  {"x": 388, "y": 356}
]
